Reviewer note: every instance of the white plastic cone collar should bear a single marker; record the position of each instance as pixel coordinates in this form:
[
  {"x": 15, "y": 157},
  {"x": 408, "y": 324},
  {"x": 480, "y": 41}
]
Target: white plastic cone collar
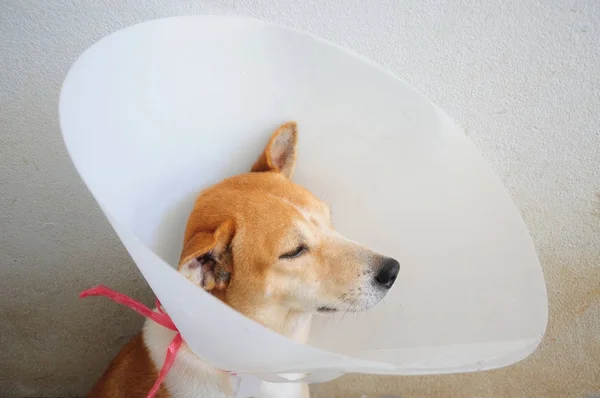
[{"x": 156, "y": 112}]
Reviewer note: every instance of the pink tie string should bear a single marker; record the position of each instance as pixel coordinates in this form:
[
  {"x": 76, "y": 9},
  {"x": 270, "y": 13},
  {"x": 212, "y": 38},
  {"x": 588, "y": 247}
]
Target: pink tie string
[{"x": 159, "y": 317}]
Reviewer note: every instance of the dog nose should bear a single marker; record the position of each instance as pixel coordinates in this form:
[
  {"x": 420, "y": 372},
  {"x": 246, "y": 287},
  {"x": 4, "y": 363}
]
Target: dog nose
[{"x": 388, "y": 273}]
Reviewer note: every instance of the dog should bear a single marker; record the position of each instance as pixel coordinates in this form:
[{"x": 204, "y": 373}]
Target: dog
[{"x": 266, "y": 247}]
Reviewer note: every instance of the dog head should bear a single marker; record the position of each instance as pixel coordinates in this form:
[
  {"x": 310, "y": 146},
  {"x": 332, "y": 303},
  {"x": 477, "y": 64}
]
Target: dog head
[{"x": 262, "y": 243}]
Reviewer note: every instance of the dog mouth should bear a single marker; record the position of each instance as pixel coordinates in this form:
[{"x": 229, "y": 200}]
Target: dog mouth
[{"x": 326, "y": 309}]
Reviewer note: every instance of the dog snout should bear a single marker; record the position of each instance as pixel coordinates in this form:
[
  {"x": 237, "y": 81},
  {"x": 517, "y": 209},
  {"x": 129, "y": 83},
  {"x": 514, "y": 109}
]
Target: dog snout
[{"x": 387, "y": 274}]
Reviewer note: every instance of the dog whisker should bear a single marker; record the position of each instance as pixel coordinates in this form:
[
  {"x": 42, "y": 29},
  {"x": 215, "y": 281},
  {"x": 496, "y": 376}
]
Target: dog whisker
[
  {"x": 287, "y": 317},
  {"x": 345, "y": 312}
]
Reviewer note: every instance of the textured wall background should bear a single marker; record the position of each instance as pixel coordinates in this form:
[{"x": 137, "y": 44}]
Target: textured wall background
[{"x": 521, "y": 76}]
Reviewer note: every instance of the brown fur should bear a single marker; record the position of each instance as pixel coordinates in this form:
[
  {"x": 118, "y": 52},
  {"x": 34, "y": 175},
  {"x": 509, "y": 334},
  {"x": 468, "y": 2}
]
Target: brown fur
[{"x": 130, "y": 374}]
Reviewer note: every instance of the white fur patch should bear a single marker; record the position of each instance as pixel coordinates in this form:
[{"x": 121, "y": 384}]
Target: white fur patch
[
  {"x": 190, "y": 377},
  {"x": 193, "y": 271}
]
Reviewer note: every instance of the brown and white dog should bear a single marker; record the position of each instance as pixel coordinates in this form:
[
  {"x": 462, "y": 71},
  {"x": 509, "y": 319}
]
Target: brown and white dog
[{"x": 266, "y": 247}]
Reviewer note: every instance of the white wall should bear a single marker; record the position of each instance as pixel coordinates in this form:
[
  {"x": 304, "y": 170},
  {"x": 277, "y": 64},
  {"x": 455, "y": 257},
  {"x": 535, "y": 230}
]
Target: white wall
[{"x": 521, "y": 77}]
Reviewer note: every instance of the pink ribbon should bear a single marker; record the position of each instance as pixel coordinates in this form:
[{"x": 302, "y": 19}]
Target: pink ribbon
[{"x": 159, "y": 317}]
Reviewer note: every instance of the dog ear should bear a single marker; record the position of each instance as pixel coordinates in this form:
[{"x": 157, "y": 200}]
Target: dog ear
[
  {"x": 206, "y": 258},
  {"x": 280, "y": 154}
]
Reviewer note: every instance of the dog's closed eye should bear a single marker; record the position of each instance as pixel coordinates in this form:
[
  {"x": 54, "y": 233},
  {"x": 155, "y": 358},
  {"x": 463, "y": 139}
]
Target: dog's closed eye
[{"x": 297, "y": 252}]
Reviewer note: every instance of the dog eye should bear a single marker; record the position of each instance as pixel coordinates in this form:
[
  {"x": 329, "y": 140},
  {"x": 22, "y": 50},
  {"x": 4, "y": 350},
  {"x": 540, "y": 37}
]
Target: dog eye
[{"x": 297, "y": 252}]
